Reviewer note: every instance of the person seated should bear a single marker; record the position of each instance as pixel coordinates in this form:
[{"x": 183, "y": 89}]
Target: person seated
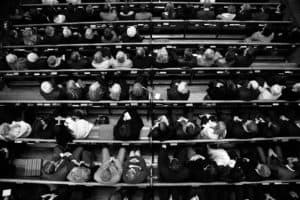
[
  {"x": 91, "y": 35},
  {"x": 29, "y": 37},
  {"x": 141, "y": 60},
  {"x": 169, "y": 11},
  {"x": 131, "y": 35},
  {"x": 35, "y": 62},
  {"x": 126, "y": 13},
  {"x": 162, "y": 130},
  {"x": 242, "y": 128},
  {"x": 211, "y": 128},
  {"x": 239, "y": 57},
  {"x": 77, "y": 61},
  {"x": 270, "y": 93},
  {"x": 178, "y": 91},
  {"x": 135, "y": 169},
  {"x": 51, "y": 36},
  {"x": 129, "y": 126},
  {"x": 101, "y": 62},
  {"x": 291, "y": 92},
  {"x": 55, "y": 62},
  {"x": 108, "y": 13},
  {"x": 15, "y": 62},
  {"x": 229, "y": 15},
  {"x": 164, "y": 58},
  {"x": 208, "y": 58},
  {"x": 265, "y": 36},
  {"x": 244, "y": 13},
  {"x": 185, "y": 129},
  {"x": 207, "y": 13},
  {"x": 119, "y": 91},
  {"x": 111, "y": 169},
  {"x": 188, "y": 59},
  {"x": 49, "y": 90},
  {"x": 143, "y": 14},
  {"x": 109, "y": 36},
  {"x": 248, "y": 90},
  {"x": 172, "y": 170},
  {"x": 121, "y": 61}
]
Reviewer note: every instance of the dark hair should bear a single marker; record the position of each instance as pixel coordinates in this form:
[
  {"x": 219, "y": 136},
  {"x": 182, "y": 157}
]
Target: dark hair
[
  {"x": 267, "y": 31},
  {"x": 107, "y": 34},
  {"x": 106, "y": 8}
]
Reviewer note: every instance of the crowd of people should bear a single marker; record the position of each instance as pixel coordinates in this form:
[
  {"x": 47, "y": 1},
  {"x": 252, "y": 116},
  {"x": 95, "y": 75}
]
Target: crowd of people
[{"x": 109, "y": 12}]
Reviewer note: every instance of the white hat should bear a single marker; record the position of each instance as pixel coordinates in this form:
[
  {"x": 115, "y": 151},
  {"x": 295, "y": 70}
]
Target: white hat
[
  {"x": 46, "y": 87},
  {"x": 11, "y": 58},
  {"x": 131, "y": 31},
  {"x": 115, "y": 91},
  {"x": 67, "y": 32},
  {"x": 182, "y": 87},
  {"x": 32, "y": 57},
  {"x": 59, "y": 19}
]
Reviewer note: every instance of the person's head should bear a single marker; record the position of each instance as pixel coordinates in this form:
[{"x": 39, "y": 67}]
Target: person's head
[
  {"x": 89, "y": 34},
  {"x": 11, "y": 58},
  {"x": 107, "y": 34},
  {"x": 263, "y": 170},
  {"x": 140, "y": 51},
  {"x": 89, "y": 9},
  {"x": 188, "y": 53},
  {"x": 131, "y": 31},
  {"x": 182, "y": 87},
  {"x": 267, "y": 30},
  {"x": 50, "y": 31},
  {"x": 115, "y": 91},
  {"x": 276, "y": 90},
  {"x": 27, "y": 33},
  {"x": 47, "y": 87},
  {"x": 162, "y": 55},
  {"x": 75, "y": 56},
  {"x": 209, "y": 54},
  {"x": 32, "y": 57},
  {"x": 137, "y": 90},
  {"x": 59, "y": 19},
  {"x": 250, "y": 126},
  {"x": 67, "y": 32},
  {"x": 98, "y": 58},
  {"x": 175, "y": 164},
  {"x": 231, "y": 9},
  {"x": 121, "y": 57},
  {"x": 246, "y": 7},
  {"x": 231, "y": 55},
  {"x": 52, "y": 61}
]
